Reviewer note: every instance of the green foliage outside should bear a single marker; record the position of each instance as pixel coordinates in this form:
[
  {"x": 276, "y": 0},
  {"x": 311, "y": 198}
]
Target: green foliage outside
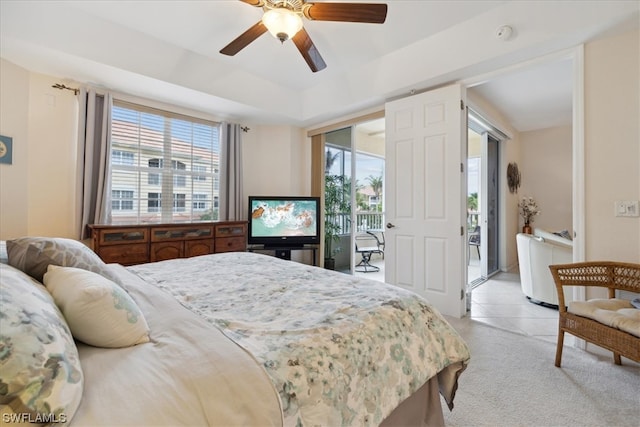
[
  {"x": 336, "y": 204},
  {"x": 209, "y": 215},
  {"x": 472, "y": 202}
]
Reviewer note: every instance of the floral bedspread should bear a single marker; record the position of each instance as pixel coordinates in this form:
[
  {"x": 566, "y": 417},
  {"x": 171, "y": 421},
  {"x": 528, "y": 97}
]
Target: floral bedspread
[{"x": 339, "y": 350}]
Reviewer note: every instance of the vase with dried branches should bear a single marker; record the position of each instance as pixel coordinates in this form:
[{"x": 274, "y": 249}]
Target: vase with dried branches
[{"x": 528, "y": 209}]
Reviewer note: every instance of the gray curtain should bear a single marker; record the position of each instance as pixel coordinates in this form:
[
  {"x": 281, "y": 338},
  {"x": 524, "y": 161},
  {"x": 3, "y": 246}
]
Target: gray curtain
[
  {"x": 231, "y": 199},
  {"x": 94, "y": 159}
]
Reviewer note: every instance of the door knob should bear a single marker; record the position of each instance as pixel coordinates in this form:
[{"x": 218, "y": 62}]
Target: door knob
[{"x": 389, "y": 225}]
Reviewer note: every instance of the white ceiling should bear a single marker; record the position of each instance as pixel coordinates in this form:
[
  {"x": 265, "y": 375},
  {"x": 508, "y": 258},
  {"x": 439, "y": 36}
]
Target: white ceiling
[{"x": 168, "y": 51}]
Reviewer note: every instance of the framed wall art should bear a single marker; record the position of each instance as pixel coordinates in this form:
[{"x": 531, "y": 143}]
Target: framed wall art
[{"x": 6, "y": 149}]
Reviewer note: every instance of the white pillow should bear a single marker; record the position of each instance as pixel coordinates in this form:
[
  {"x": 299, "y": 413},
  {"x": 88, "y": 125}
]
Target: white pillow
[{"x": 98, "y": 312}]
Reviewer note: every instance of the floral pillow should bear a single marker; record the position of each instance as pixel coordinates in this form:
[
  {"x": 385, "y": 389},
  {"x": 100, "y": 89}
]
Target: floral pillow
[
  {"x": 34, "y": 254},
  {"x": 40, "y": 373},
  {"x": 99, "y": 312}
]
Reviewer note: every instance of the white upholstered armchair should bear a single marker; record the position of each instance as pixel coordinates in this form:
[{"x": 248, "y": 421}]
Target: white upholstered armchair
[{"x": 535, "y": 254}]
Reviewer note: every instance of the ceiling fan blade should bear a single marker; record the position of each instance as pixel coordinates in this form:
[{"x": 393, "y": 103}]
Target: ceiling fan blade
[
  {"x": 308, "y": 50},
  {"x": 256, "y": 3},
  {"x": 375, "y": 13},
  {"x": 244, "y": 39}
]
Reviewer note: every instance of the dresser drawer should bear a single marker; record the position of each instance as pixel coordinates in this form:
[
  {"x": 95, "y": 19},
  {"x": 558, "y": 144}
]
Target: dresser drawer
[
  {"x": 125, "y": 254},
  {"x": 166, "y": 250},
  {"x": 181, "y": 233},
  {"x": 231, "y": 230},
  {"x": 230, "y": 244},
  {"x": 122, "y": 236},
  {"x": 198, "y": 247}
]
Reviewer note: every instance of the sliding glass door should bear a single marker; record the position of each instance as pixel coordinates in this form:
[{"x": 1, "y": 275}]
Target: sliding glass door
[
  {"x": 483, "y": 203},
  {"x": 337, "y": 199},
  {"x": 490, "y": 187},
  {"x": 353, "y": 195}
]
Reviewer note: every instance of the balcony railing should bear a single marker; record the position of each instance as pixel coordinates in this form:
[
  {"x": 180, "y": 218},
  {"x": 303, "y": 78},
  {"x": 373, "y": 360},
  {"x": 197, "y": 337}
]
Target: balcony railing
[
  {"x": 364, "y": 221},
  {"x": 473, "y": 219},
  {"x": 375, "y": 221}
]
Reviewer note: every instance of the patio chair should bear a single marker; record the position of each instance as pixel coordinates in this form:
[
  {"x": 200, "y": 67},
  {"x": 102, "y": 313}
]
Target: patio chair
[
  {"x": 367, "y": 244},
  {"x": 474, "y": 240}
]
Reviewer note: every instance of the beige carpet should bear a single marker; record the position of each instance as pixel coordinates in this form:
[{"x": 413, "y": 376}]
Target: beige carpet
[{"x": 512, "y": 381}]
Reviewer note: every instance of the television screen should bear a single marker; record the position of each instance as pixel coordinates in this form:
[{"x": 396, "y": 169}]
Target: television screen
[{"x": 284, "y": 221}]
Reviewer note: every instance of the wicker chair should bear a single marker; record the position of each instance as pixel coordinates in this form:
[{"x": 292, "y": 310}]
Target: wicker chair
[{"x": 611, "y": 275}]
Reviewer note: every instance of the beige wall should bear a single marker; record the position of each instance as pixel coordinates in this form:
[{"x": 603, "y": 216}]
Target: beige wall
[
  {"x": 14, "y": 123},
  {"x": 37, "y": 191},
  {"x": 276, "y": 161},
  {"x": 474, "y": 144},
  {"x": 53, "y": 129},
  {"x": 546, "y": 168},
  {"x": 612, "y": 145},
  {"x": 369, "y": 144}
]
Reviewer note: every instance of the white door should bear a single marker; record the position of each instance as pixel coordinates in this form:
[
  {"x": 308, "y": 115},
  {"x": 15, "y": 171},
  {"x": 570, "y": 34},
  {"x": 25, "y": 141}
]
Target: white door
[{"x": 425, "y": 188}]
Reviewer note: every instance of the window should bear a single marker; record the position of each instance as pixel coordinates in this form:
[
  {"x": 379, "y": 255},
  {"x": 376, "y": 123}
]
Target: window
[
  {"x": 170, "y": 161},
  {"x": 178, "y": 180},
  {"x": 119, "y": 157},
  {"x": 179, "y": 202},
  {"x": 200, "y": 177},
  {"x": 154, "y": 202},
  {"x": 368, "y": 184},
  {"x": 154, "y": 178},
  {"x": 199, "y": 202},
  {"x": 121, "y": 200}
]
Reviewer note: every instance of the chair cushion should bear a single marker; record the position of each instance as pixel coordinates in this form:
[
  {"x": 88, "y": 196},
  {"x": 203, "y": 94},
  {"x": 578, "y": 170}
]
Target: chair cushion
[{"x": 614, "y": 312}]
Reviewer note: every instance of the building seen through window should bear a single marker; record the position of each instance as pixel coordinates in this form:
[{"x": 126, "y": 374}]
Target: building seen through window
[{"x": 164, "y": 166}]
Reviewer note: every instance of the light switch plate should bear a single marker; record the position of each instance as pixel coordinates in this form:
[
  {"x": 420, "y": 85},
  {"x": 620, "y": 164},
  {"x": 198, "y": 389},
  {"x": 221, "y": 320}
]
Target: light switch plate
[{"x": 628, "y": 208}]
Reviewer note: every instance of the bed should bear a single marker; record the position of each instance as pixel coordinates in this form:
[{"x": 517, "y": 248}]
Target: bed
[{"x": 226, "y": 339}]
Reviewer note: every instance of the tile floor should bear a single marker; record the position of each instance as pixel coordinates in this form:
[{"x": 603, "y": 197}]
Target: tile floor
[{"x": 499, "y": 302}]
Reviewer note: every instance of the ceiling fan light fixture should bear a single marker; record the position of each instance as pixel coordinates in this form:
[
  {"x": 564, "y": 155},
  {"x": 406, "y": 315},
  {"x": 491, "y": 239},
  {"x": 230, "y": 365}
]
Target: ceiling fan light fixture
[{"x": 282, "y": 23}]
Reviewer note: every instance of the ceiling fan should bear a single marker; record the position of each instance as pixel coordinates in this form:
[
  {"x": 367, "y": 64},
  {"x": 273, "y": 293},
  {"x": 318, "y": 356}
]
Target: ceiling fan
[{"x": 283, "y": 19}]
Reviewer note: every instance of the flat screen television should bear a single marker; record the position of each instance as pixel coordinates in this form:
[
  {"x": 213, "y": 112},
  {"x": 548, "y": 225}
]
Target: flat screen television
[{"x": 284, "y": 221}]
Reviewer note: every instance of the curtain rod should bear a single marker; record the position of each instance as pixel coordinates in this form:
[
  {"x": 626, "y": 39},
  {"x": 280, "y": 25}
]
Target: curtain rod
[
  {"x": 76, "y": 90},
  {"x": 63, "y": 87}
]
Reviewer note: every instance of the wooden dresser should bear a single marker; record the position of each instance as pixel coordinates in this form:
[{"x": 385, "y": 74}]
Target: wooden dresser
[{"x": 137, "y": 244}]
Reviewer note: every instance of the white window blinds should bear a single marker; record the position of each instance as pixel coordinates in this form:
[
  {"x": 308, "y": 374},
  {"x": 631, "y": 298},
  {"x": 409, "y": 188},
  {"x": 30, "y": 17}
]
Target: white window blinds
[{"x": 164, "y": 166}]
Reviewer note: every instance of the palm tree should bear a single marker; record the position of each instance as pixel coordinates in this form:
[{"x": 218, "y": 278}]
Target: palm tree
[
  {"x": 376, "y": 184},
  {"x": 472, "y": 202},
  {"x": 330, "y": 159}
]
